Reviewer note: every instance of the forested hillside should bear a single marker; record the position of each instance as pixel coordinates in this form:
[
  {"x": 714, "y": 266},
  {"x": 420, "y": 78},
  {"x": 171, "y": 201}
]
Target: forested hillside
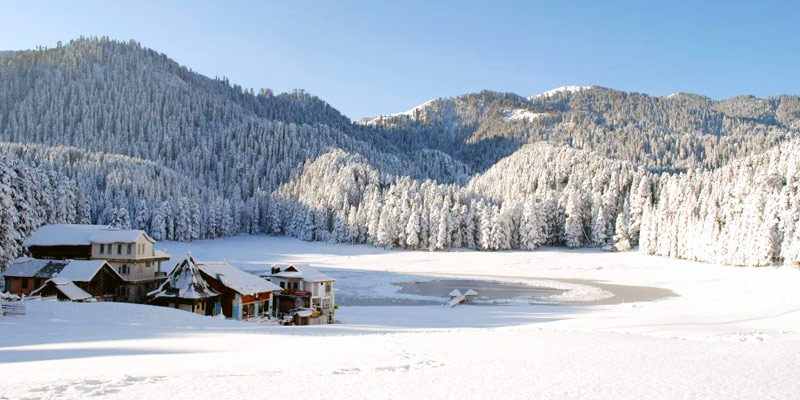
[
  {"x": 30, "y": 197},
  {"x": 746, "y": 213},
  {"x": 673, "y": 133},
  {"x": 144, "y": 142}
]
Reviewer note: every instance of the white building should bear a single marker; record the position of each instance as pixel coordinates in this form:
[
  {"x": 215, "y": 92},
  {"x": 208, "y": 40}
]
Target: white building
[{"x": 306, "y": 294}]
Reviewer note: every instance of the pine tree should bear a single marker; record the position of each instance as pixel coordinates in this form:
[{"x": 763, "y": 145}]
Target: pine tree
[
  {"x": 621, "y": 239},
  {"x": 385, "y": 234},
  {"x": 120, "y": 219},
  {"x": 573, "y": 228},
  {"x": 412, "y": 230}
]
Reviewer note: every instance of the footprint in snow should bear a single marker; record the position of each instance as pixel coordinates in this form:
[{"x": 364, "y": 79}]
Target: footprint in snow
[{"x": 347, "y": 371}]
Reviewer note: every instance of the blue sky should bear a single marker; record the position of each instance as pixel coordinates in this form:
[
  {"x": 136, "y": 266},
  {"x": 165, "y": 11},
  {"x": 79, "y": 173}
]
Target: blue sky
[{"x": 374, "y": 57}]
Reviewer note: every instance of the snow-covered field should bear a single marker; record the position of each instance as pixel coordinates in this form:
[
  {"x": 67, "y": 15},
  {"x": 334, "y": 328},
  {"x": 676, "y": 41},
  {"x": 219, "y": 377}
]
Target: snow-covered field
[{"x": 726, "y": 333}]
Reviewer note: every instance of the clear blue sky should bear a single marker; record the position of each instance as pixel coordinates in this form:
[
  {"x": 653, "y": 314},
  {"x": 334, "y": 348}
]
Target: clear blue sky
[{"x": 375, "y": 57}]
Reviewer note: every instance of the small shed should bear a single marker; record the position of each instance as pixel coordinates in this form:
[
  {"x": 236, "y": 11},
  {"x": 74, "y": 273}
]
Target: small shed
[
  {"x": 64, "y": 290},
  {"x": 186, "y": 289},
  {"x": 469, "y": 295}
]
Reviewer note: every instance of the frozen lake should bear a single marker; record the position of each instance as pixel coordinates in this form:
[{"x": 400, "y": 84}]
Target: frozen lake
[{"x": 378, "y": 288}]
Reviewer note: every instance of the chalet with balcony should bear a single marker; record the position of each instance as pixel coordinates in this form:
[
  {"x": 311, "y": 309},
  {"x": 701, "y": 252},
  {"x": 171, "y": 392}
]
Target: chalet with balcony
[
  {"x": 85, "y": 279},
  {"x": 307, "y": 295},
  {"x": 244, "y": 296},
  {"x": 186, "y": 289},
  {"x": 130, "y": 252}
]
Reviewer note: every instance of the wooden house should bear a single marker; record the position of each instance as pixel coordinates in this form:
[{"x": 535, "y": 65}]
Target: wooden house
[
  {"x": 243, "y": 295},
  {"x": 186, "y": 289},
  {"x": 95, "y": 277},
  {"x": 130, "y": 252},
  {"x": 306, "y": 294}
]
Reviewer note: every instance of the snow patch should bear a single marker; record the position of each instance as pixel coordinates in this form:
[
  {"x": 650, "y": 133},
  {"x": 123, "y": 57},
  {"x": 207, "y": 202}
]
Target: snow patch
[
  {"x": 562, "y": 89},
  {"x": 521, "y": 114},
  {"x": 405, "y": 114}
]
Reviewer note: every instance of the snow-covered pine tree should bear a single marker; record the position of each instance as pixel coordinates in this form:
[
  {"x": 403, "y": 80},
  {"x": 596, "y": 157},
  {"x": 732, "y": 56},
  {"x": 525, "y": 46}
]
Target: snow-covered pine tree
[
  {"x": 621, "y": 239},
  {"x": 573, "y": 227}
]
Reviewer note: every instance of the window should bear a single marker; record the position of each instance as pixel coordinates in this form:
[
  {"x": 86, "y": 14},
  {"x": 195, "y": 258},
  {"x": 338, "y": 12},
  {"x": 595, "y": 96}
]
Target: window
[
  {"x": 327, "y": 288},
  {"x": 129, "y": 249},
  {"x": 119, "y": 248},
  {"x": 24, "y": 283},
  {"x": 124, "y": 269},
  {"x": 248, "y": 310},
  {"x": 283, "y": 285},
  {"x": 102, "y": 248}
]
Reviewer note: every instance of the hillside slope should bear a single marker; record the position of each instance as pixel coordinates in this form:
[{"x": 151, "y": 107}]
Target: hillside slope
[{"x": 187, "y": 157}]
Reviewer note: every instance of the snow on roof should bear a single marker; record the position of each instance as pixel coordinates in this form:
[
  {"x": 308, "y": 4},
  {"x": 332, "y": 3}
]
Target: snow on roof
[
  {"x": 303, "y": 272},
  {"x": 562, "y": 89},
  {"x": 26, "y": 267},
  {"x": 81, "y": 270},
  {"x": 67, "y": 288},
  {"x": 81, "y": 235},
  {"x": 470, "y": 292},
  {"x": 303, "y": 313},
  {"x": 185, "y": 282},
  {"x": 71, "y": 270},
  {"x": 112, "y": 235},
  {"x": 242, "y": 282},
  {"x": 455, "y": 293}
]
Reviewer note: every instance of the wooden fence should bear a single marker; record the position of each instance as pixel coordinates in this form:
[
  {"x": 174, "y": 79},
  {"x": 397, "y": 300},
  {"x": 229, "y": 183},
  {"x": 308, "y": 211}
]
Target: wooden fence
[{"x": 13, "y": 308}]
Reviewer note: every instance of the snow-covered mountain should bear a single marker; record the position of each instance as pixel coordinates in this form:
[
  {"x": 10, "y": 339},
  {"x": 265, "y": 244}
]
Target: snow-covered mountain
[{"x": 185, "y": 156}]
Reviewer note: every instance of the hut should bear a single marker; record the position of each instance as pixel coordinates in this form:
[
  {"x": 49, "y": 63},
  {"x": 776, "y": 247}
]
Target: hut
[
  {"x": 62, "y": 289},
  {"x": 470, "y": 295},
  {"x": 186, "y": 289}
]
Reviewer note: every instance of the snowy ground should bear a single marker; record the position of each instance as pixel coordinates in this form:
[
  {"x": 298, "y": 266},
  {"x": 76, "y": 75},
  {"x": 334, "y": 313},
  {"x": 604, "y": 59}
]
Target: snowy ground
[{"x": 726, "y": 333}]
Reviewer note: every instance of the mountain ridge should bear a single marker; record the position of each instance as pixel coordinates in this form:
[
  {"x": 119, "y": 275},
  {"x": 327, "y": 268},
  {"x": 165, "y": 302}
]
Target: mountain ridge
[{"x": 488, "y": 170}]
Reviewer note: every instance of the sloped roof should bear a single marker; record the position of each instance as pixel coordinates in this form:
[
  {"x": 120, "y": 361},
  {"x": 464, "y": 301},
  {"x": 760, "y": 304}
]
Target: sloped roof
[
  {"x": 185, "y": 282},
  {"x": 82, "y": 270},
  {"x": 26, "y": 267},
  {"x": 67, "y": 288},
  {"x": 304, "y": 272},
  {"x": 71, "y": 270},
  {"x": 112, "y": 235},
  {"x": 240, "y": 281},
  {"x": 81, "y": 235}
]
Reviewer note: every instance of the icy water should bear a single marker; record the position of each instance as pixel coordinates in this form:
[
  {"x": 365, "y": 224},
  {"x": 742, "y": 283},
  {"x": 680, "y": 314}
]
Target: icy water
[
  {"x": 487, "y": 290},
  {"x": 377, "y": 288}
]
